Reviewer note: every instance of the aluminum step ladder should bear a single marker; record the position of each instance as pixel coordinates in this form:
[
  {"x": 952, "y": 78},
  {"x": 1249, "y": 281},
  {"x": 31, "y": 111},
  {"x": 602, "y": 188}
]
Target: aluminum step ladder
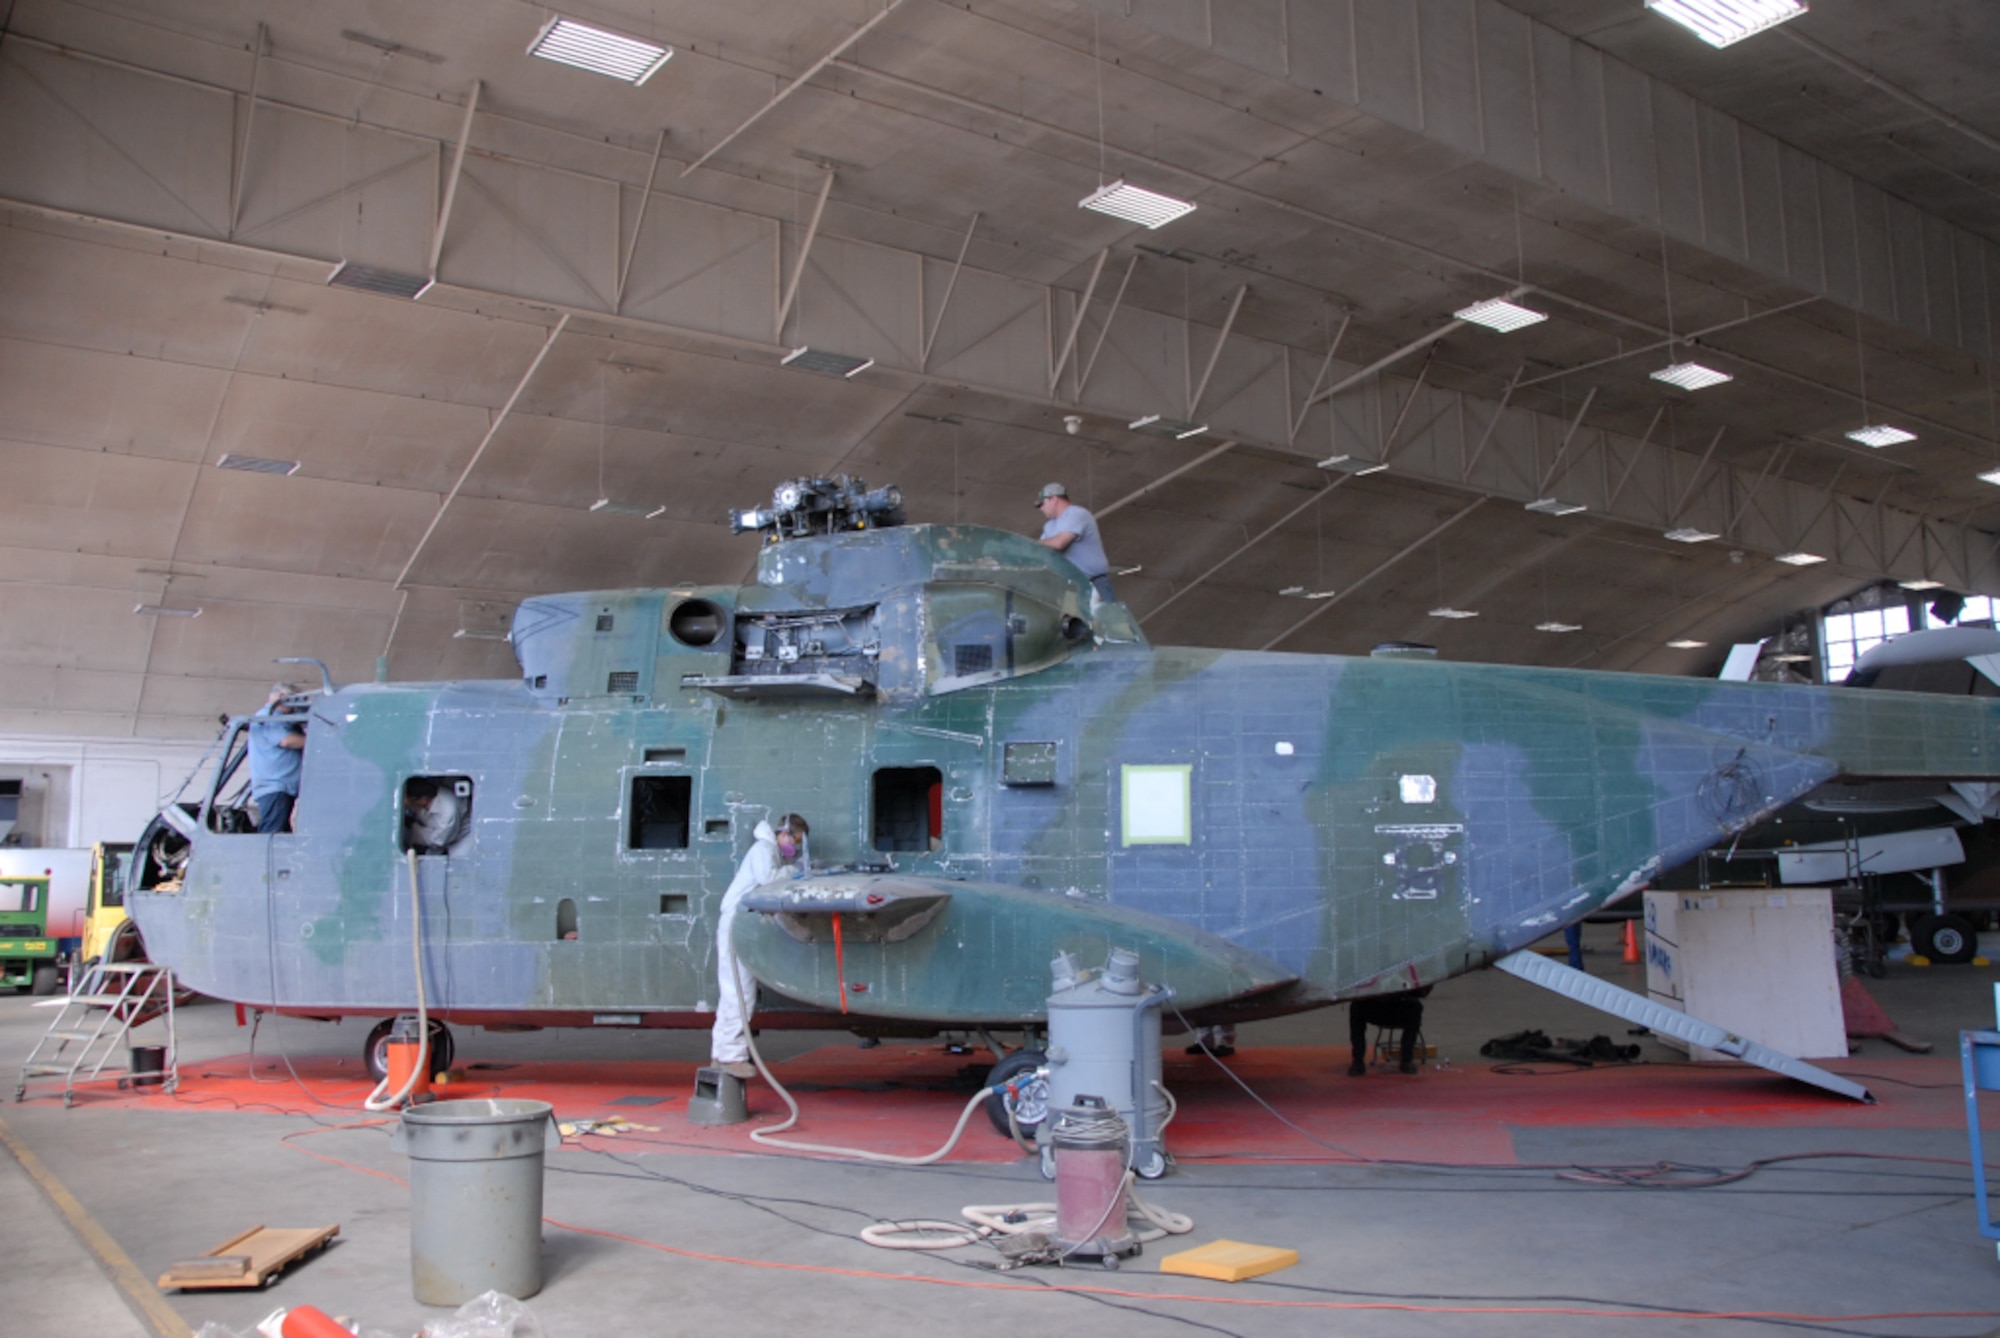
[
  {"x": 1608, "y": 998},
  {"x": 95, "y": 1027}
]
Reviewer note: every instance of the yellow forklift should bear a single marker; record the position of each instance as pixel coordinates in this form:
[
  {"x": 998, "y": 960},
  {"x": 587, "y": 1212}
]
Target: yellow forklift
[{"x": 104, "y": 910}]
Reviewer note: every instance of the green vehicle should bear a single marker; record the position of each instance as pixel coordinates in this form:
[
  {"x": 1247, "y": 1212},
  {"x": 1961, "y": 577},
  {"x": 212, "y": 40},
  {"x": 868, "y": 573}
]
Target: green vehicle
[{"x": 28, "y": 954}]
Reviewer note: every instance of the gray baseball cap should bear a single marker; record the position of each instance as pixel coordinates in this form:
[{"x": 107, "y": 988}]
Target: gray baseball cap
[{"x": 1050, "y": 490}]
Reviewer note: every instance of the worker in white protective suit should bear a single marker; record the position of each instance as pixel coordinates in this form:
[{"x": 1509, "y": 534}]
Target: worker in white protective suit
[{"x": 775, "y": 853}]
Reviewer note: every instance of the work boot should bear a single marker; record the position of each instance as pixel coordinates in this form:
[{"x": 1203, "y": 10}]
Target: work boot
[
  {"x": 739, "y": 1068},
  {"x": 1358, "y": 1069}
]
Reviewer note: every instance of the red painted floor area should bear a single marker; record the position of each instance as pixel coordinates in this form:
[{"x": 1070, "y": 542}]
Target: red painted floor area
[{"x": 904, "y": 1099}]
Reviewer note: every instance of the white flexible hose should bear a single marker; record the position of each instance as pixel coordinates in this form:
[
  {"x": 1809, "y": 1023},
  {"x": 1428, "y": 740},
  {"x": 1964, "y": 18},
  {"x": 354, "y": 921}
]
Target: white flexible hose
[
  {"x": 769, "y": 1137},
  {"x": 376, "y": 1101},
  {"x": 984, "y": 1221}
]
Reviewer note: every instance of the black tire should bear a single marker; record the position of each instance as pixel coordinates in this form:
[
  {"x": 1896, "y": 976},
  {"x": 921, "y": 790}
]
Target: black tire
[
  {"x": 44, "y": 981},
  {"x": 1917, "y": 924},
  {"x": 1031, "y": 1105},
  {"x": 375, "y": 1051},
  {"x": 1948, "y": 939}
]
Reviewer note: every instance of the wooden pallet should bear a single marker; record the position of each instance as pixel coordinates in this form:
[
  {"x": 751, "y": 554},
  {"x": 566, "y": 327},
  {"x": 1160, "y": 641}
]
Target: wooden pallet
[{"x": 249, "y": 1260}]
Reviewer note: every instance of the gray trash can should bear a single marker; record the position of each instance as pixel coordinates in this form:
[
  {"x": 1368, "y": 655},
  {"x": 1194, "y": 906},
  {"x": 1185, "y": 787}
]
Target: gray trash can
[{"x": 476, "y": 1196}]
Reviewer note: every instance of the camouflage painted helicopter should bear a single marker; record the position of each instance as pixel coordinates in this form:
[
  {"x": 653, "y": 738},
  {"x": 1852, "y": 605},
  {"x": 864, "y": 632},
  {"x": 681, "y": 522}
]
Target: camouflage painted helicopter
[{"x": 997, "y": 767}]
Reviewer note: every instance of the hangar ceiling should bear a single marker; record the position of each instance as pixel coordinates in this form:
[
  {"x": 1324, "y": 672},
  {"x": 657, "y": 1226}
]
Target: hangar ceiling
[{"x": 618, "y": 272}]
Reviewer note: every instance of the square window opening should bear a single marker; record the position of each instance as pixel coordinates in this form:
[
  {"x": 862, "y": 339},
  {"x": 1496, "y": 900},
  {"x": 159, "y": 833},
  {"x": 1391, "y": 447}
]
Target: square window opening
[
  {"x": 437, "y": 813},
  {"x": 660, "y": 812},
  {"x": 909, "y": 808},
  {"x": 673, "y": 903}
]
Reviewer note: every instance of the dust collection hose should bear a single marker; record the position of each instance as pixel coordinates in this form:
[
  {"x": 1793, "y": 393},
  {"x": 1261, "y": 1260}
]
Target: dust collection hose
[
  {"x": 769, "y": 1136},
  {"x": 376, "y": 1101},
  {"x": 984, "y": 1221}
]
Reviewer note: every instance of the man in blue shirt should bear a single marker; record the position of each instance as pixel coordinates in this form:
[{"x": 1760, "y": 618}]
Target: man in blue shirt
[
  {"x": 1072, "y": 531},
  {"x": 277, "y": 755}
]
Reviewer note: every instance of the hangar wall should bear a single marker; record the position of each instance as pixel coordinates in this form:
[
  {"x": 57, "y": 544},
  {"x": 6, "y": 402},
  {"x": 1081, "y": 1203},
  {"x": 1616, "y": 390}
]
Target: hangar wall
[{"x": 76, "y": 791}]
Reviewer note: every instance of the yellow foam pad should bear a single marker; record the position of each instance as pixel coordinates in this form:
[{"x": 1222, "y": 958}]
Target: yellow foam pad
[{"x": 1229, "y": 1261}]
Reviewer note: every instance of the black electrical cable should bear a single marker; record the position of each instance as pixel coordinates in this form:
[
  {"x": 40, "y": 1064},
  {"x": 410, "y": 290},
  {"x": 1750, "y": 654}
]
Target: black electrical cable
[
  {"x": 1635, "y": 1177},
  {"x": 1265, "y": 1283},
  {"x": 762, "y": 1202}
]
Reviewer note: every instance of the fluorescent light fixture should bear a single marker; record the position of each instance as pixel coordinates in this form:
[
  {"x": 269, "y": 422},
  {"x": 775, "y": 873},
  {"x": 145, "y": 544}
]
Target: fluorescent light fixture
[
  {"x": 1161, "y": 426},
  {"x": 1116, "y": 571},
  {"x": 1553, "y": 626},
  {"x": 1685, "y": 643},
  {"x": 604, "y": 506},
  {"x": 1691, "y": 376},
  {"x": 1300, "y": 592},
  {"x": 1497, "y": 313},
  {"x": 1722, "y": 22},
  {"x": 161, "y": 611},
  {"x": 1551, "y": 506},
  {"x": 386, "y": 282},
  {"x": 256, "y": 465},
  {"x": 1687, "y": 534},
  {"x": 808, "y": 359},
  {"x": 601, "y": 52},
  {"x": 1347, "y": 464},
  {"x": 1880, "y": 435},
  {"x": 1447, "y": 611},
  {"x": 1800, "y": 558},
  {"x": 1990, "y": 476},
  {"x": 1923, "y": 583},
  {"x": 1789, "y": 657},
  {"x": 1135, "y": 204},
  {"x": 462, "y": 635}
]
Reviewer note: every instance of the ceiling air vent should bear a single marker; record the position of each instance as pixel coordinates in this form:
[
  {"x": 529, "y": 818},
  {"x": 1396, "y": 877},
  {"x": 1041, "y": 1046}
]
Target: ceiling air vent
[
  {"x": 384, "y": 281},
  {"x": 623, "y": 682},
  {"x": 257, "y": 464}
]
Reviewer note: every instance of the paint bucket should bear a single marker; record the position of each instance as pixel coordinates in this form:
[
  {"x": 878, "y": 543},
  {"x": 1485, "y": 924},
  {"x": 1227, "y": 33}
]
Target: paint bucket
[{"x": 149, "y": 1063}]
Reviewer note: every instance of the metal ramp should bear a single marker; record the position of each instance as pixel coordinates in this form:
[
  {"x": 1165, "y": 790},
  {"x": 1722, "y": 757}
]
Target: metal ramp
[
  {"x": 1608, "y": 998},
  {"x": 95, "y": 1027}
]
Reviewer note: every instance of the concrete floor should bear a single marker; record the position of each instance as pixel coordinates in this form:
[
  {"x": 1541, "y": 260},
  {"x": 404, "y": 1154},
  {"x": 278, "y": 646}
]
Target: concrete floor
[{"x": 678, "y": 1238}]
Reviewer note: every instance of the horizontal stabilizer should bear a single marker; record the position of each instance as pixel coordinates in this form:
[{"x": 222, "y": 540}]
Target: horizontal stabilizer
[{"x": 967, "y": 954}]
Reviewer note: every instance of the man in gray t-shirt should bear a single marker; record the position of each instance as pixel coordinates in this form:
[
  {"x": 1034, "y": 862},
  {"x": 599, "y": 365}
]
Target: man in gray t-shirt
[{"x": 1072, "y": 531}]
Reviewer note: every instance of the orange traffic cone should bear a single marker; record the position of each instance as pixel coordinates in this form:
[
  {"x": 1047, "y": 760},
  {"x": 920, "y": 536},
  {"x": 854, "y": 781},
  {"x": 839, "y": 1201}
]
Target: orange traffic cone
[{"x": 1631, "y": 942}]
